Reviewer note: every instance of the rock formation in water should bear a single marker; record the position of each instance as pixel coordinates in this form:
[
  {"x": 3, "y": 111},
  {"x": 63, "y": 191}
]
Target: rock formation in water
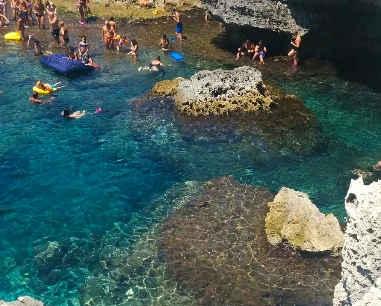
[
  {"x": 218, "y": 92},
  {"x": 223, "y": 92},
  {"x": 216, "y": 248},
  {"x": 22, "y": 301},
  {"x": 251, "y": 108},
  {"x": 294, "y": 219},
  {"x": 361, "y": 267}
]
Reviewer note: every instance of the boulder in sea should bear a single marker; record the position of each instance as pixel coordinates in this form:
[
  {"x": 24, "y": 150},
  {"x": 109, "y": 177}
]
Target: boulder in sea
[
  {"x": 293, "y": 218},
  {"x": 22, "y": 301},
  {"x": 361, "y": 267},
  {"x": 216, "y": 249},
  {"x": 223, "y": 92}
]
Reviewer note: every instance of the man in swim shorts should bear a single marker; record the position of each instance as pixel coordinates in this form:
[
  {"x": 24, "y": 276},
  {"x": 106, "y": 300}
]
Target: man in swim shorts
[
  {"x": 53, "y": 21},
  {"x": 179, "y": 24},
  {"x": 108, "y": 35},
  {"x": 64, "y": 33}
]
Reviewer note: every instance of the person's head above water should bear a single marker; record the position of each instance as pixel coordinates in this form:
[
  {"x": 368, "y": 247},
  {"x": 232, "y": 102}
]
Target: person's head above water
[
  {"x": 66, "y": 112},
  {"x": 35, "y": 95}
]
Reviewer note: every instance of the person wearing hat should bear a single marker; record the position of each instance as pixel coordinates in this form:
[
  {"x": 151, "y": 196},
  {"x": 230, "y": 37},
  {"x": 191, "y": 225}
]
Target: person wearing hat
[
  {"x": 260, "y": 51},
  {"x": 64, "y": 34}
]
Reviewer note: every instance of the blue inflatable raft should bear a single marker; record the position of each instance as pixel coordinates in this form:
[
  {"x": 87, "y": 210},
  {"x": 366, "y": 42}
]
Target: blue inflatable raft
[
  {"x": 61, "y": 64},
  {"x": 176, "y": 56}
]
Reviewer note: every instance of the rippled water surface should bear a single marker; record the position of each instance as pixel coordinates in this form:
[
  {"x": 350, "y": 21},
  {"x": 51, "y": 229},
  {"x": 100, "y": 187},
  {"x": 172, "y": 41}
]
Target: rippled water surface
[{"x": 79, "y": 194}]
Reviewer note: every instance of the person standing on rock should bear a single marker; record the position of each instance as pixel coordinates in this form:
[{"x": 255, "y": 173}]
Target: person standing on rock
[
  {"x": 294, "y": 54},
  {"x": 179, "y": 24}
]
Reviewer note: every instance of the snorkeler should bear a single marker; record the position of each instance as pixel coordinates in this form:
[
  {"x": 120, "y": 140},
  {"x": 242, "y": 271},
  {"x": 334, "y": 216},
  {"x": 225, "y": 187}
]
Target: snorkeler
[
  {"x": 75, "y": 115},
  {"x": 34, "y": 98}
]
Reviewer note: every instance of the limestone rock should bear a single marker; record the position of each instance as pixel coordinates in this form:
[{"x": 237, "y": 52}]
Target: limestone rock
[
  {"x": 180, "y": 4},
  {"x": 222, "y": 92},
  {"x": 166, "y": 88},
  {"x": 361, "y": 266},
  {"x": 22, "y": 301},
  {"x": 295, "y": 219}
]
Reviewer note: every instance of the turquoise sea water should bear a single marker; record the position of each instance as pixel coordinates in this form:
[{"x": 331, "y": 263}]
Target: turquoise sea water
[{"x": 75, "y": 194}]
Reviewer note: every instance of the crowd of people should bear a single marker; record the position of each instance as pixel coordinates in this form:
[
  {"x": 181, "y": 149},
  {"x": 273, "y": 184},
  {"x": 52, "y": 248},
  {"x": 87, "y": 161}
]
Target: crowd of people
[{"x": 28, "y": 12}]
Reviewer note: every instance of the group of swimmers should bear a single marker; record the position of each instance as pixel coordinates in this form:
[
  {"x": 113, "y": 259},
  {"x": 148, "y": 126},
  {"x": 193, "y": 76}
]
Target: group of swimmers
[{"x": 254, "y": 51}]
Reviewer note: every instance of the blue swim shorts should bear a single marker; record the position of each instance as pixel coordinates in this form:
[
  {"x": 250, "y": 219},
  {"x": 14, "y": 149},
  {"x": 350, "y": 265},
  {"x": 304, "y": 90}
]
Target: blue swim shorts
[{"x": 179, "y": 27}]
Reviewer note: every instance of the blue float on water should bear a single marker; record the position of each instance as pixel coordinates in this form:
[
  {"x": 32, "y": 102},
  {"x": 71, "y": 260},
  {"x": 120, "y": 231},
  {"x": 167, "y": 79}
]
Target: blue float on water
[
  {"x": 63, "y": 65},
  {"x": 176, "y": 56}
]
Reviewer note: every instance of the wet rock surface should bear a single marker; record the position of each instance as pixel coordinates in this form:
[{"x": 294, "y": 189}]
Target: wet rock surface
[
  {"x": 295, "y": 219},
  {"x": 216, "y": 248}
]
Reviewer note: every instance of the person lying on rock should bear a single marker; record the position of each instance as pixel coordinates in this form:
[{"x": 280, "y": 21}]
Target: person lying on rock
[{"x": 247, "y": 49}]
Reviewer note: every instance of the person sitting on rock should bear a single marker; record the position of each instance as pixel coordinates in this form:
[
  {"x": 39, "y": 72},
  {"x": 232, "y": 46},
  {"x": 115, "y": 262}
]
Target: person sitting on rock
[
  {"x": 260, "y": 51},
  {"x": 247, "y": 49}
]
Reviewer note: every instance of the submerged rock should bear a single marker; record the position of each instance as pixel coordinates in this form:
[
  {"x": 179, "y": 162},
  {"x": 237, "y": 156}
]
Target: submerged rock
[
  {"x": 295, "y": 219},
  {"x": 216, "y": 248},
  {"x": 22, "y": 301},
  {"x": 361, "y": 266}
]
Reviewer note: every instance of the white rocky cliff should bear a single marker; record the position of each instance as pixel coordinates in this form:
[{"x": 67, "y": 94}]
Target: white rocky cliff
[{"x": 361, "y": 267}]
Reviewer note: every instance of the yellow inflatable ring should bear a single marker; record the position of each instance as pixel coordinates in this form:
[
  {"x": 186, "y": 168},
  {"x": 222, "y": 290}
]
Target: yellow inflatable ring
[
  {"x": 44, "y": 92},
  {"x": 15, "y": 36}
]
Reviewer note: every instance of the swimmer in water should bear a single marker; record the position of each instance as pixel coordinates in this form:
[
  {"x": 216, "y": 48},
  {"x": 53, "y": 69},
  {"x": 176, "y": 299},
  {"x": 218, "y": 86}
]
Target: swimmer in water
[
  {"x": 75, "y": 115},
  {"x": 34, "y": 98},
  {"x": 38, "y": 48},
  {"x": 47, "y": 87},
  {"x": 155, "y": 65}
]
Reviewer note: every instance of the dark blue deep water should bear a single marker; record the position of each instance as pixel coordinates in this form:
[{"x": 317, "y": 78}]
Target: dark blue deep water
[{"x": 74, "y": 193}]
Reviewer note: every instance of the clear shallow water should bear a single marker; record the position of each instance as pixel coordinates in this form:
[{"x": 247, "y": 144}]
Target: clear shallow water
[{"x": 78, "y": 194}]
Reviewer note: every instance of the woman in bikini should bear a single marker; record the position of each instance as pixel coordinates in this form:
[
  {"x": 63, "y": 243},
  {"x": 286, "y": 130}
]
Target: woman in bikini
[
  {"x": 164, "y": 43},
  {"x": 134, "y": 48},
  {"x": 39, "y": 10},
  {"x": 83, "y": 51}
]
